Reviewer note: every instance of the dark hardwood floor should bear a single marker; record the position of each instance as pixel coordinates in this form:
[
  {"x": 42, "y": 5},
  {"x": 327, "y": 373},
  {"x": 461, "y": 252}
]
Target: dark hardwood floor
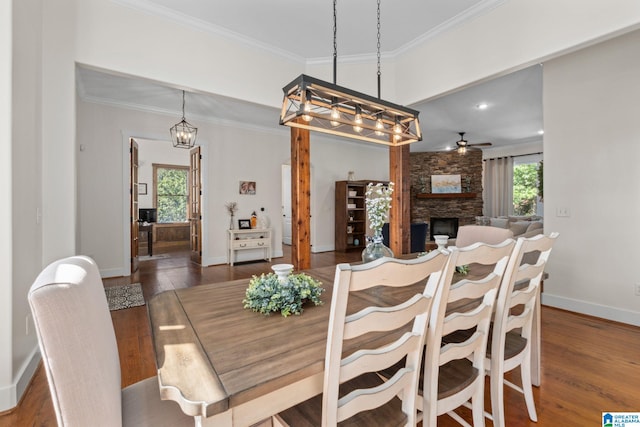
[{"x": 589, "y": 365}]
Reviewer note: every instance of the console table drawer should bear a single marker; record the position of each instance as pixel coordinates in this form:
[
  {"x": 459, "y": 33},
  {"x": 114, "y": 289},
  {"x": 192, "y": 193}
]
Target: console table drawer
[{"x": 250, "y": 243}]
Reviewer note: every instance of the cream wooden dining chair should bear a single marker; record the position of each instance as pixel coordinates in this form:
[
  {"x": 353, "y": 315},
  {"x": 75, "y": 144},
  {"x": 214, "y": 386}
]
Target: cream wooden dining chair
[
  {"x": 510, "y": 345},
  {"x": 353, "y": 394},
  {"x": 454, "y": 372},
  {"x": 80, "y": 354}
]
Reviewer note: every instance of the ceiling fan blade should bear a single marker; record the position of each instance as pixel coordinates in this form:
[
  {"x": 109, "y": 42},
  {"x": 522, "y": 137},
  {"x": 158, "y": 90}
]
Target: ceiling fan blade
[{"x": 480, "y": 144}]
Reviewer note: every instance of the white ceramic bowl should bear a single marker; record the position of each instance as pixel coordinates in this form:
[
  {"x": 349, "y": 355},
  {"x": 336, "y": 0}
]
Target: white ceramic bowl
[
  {"x": 282, "y": 270},
  {"x": 441, "y": 240}
]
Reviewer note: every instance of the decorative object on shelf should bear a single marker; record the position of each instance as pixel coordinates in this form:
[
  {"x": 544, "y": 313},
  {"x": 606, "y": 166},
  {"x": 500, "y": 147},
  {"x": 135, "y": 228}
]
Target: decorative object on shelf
[
  {"x": 263, "y": 219},
  {"x": 267, "y": 293},
  {"x": 441, "y": 241},
  {"x": 378, "y": 202},
  {"x": 313, "y": 104},
  {"x": 282, "y": 271},
  {"x": 244, "y": 224},
  {"x": 351, "y": 176},
  {"x": 183, "y": 134},
  {"x": 445, "y": 184},
  {"x": 254, "y": 220},
  {"x": 356, "y": 242},
  {"x": 248, "y": 187},
  {"x": 423, "y": 183},
  {"x": 232, "y": 207}
]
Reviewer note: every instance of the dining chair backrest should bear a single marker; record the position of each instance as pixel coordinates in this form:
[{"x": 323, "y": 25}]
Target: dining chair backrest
[
  {"x": 470, "y": 234},
  {"x": 454, "y": 372},
  {"x": 78, "y": 343},
  {"x": 378, "y": 315},
  {"x": 513, "y": 321},
  {"x": 80, "y": 354}
]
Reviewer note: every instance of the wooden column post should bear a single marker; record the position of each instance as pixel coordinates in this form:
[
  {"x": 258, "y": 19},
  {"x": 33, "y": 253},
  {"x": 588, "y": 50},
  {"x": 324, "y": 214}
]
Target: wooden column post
[
  {"x": 399, "y": 216},
  {"x": 300, "y": 199}
]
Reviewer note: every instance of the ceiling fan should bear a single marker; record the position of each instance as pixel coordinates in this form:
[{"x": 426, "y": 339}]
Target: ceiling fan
[{"x": 463, "y": 144}]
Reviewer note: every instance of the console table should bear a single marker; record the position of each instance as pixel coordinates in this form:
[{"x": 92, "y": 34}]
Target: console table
[{"x": 255, "y": 238}]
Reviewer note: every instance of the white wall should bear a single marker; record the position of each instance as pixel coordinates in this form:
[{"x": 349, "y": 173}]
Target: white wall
[
  {"x": 7, "y": 393},
  {"x": 20, "y": 147},
  {"x": 514, "y": 35},
  {"x": 591, "y": 151},
  {"x": 232, "y": 154}
]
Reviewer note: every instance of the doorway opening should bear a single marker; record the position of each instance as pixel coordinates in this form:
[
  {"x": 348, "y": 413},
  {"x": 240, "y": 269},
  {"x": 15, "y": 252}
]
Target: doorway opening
[{"x": 166, "y": 215}]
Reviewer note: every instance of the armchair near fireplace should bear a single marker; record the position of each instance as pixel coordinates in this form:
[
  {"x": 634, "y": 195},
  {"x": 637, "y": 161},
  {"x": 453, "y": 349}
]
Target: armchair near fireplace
[{"x": 419, "y": 232}]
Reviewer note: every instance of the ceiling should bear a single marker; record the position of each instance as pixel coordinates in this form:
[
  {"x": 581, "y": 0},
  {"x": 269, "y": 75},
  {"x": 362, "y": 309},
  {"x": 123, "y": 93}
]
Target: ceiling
[{"x": 514, "y": 102}]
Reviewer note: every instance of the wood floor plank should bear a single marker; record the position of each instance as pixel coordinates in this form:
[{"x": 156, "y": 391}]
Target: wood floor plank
[{"x": 589, "y": 365}]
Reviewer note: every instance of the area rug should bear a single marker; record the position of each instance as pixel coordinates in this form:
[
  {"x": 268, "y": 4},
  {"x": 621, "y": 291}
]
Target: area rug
[{"x": 124, "y": 296}]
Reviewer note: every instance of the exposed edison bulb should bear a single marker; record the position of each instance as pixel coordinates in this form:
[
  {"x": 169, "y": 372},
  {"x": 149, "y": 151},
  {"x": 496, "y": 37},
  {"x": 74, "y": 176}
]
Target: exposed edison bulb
[
  {"x": 380, "y": 127},
  {"x": 462, "y": 150},
  {"x": 335, "y": 115},
  {"x": 397, "y": 130},
  {"x": 358, "y": 120},
  {"x": 307, "y": 109}
]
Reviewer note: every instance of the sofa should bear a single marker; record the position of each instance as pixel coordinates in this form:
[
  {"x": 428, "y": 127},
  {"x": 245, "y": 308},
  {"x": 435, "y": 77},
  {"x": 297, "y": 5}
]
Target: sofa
[{"x": 520, "y": 226}]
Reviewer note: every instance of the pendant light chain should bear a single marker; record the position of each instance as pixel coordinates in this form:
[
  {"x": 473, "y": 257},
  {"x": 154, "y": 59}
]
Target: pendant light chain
[
  {"x": 379, "y": 73},
  {"x": 335, "y": 43},
  {"x": 183, "y": 105}
]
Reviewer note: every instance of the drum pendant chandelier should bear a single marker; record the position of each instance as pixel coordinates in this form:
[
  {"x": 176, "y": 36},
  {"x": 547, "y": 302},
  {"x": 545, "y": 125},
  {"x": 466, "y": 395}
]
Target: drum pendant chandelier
[
  {"x": 313, "y": 104},
  {"x": 183, "y": 134}
]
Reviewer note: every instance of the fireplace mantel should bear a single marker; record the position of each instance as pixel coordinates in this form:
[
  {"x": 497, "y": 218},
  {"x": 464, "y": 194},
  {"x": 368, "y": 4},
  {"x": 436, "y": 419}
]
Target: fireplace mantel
[{"x": 446, "y": 195}]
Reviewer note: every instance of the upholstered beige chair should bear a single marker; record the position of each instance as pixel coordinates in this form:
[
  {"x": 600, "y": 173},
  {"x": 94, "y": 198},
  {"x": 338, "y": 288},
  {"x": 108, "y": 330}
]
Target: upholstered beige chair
[
  {"x": 353, "y": 393},
  {"x": 80, "y": 353},
  {"x": 470, "y": 234}
]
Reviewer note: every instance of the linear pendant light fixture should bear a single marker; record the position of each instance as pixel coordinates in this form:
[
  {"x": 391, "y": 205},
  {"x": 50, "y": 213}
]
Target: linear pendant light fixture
[
  {"x": 314, "y": 104},
  {"x": 183, "y": 134}
]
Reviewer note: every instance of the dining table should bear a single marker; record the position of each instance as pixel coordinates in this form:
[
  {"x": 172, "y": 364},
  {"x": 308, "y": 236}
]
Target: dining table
[{"x": 229, "y": 366}]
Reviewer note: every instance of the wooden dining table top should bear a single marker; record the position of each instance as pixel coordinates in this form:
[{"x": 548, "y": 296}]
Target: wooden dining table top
[{"x": 213, "y": 355}]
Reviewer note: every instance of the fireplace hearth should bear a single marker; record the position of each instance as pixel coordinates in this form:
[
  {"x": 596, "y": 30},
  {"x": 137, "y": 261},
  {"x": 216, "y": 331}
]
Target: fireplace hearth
[{"x": 446, "y": 226}]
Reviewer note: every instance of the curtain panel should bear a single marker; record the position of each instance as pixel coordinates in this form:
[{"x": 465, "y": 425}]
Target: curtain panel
[{"x": 498, "y": 186}]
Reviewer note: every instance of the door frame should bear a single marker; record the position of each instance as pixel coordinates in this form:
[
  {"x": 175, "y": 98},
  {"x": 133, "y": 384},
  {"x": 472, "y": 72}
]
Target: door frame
[{"x": 126, "y": 173}]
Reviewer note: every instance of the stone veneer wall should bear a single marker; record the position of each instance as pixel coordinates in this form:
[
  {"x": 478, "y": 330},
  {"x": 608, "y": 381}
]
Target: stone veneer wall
[{"x": 426, "y": 164}]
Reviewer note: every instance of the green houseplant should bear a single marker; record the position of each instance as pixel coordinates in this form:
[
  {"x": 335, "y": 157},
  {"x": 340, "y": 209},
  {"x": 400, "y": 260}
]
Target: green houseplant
[{"x": 267, "y": 293}]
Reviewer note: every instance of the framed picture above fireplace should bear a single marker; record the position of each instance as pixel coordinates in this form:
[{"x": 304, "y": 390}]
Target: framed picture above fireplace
[{"x": 446, "y": 184}]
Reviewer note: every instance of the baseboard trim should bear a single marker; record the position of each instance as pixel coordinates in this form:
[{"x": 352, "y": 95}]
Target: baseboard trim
[
  {"x": 597, "y": 310},
  {"x": 11, "y": 395}
]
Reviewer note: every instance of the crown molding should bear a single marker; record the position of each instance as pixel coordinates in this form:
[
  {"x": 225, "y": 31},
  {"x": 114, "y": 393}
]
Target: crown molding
[
  {"x": 154, "y": 9},
  {"x": 148, "y": 7}
]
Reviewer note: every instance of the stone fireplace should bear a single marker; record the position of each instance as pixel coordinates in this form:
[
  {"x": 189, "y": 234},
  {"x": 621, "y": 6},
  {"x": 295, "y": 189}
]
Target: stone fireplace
[
  {"x": 462, "y": 207},
  {"x": 446, "y": 226}
]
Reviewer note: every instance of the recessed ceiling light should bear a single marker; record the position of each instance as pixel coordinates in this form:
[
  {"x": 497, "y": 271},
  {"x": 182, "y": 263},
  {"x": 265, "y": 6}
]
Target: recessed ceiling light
[
  {"x": 541, "y": 132},
  {"x": 482, "y": 106}
]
